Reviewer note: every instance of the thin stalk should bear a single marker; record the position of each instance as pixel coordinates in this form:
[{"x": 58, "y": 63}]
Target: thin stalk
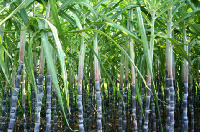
[
  {"x": 97, "y": 84},
  {"x": 3, "y": 121},
  {"x": 151, "y": 55},
  {"x": 149, "y": 98},
  {"x": 40, "y": 78},
  {"x": 55, "y": 116},
  {"x": 40, "y": 90},
  {"x": 54, "y": 104},
  {"x": 80, "y": 76},
  {"x": 185, "y": 90},
  {"x": 6, "y": 83},
  {"x": 18, "y": 80},
  {"x": 71, "y": 80},
  {"x": 33, "y": 94},
  {"x": 23, "y": 101},
  {"x": 169, "y": 80},
  {"x": 90, "y": 94},
  {"x": 126, "y": 85},
  {"x": 132, "y": 55},
  {"x": 121, "y": 92},
  {"x": 48, "y": 103}
]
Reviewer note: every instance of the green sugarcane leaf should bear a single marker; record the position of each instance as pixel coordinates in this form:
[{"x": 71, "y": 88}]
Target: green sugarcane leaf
[
  {"x": 185, "y": 17},
  {"x": 144, "y": 40},
  {"x": 121, "y": 9},
  {"x": 146, "y": 18},
  {"x": 124, "y": 30},
  {"x": 95, "y": 15},
  {"x": 65, "y": 4},
  {"x": 166, "y": 7},
  {"x": 23, "y": 13},
  {"x": 54, "y": 12},
  {"x": 68, "y": 18},
  {"x": 22, "y": 5},
  {"x": 178, "y": 48},
  {"x": 177, "y": 8},
  {"x": 2, "y": 63},
  {"x": 7, "y": 5},
  {"x": 195, "y": 28}
]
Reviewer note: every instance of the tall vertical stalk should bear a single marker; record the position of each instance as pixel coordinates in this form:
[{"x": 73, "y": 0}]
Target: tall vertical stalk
[
  {"x": 18, "y": 80},
  {"x": 3, "y": 121},
  {"x": 55, "y": 117},
  {"x": 23, "y": 101},
  {"x": 151, "y": 55},
  {"x": 169, "y": 80},
  {"x": 185, "y": 90},
  {"x": 90, "y": 93},
  {"x": 132, "y": 55},
  {"x": 121, "y": 92},
  {"x": 33, "y": 94},
  {"x": 126, "y": 84},
  {"x": 80, "y": 76},
  {"x": 48, "y": 102},
  {"x": 97, "y": 84},
  {"x": 40, "y": 90}
]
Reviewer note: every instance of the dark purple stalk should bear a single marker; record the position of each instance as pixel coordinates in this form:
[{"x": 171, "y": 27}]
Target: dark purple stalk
[
  {"x": 80, "y": 76},
  {"x": 18, "y": 80},
  {"x": 24, "y": 103},
  {"x": 55, "y": 116},
  {"x": 90, "y": 103},
  {"x": 121, "y": 92},
  {"x": 4, "y": 99},
  {"x": 140, "y": 116},
  {"x": 126, "y": 106},
  {"x": 109, "y": 106},
  {"x": 97, "y": 86},
  {"x": 48, "y": 103},
  {"x": 147, "y": 108},
  {"x": 40, "y": 91}
]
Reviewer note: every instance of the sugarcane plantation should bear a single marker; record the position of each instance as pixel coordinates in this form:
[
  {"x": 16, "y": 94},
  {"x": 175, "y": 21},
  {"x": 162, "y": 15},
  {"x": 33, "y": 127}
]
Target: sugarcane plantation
[{"x": 99, "y": 65}]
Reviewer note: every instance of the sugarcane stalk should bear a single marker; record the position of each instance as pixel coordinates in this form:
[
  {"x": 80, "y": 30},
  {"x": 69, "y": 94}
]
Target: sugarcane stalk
[
  {"x": 18, "y": 80},
  {"x": 132, "y": 55},
  {"x": 90, "y": 103},
  {"x": 149, "y": 98},
  {"x": 40, "y": 90},
  {"x": 48, "y": 103},
  {"x": 71, "y": 80},
  {"x": 90, "y": 95},
  {"x": 142, "y": 100},
  {"x": 97, "y": 84},
  {"x": 151, "y": 55},
  {"x": 3, "y": 121},
  {"x": 55, "y": 116},
  {"x": 125, "y": 97},
  {"x": 185, "y": 90},
  {"x": 169, "y": 80},
  {"x": 24, "y": 101},
  {"x": 33, "y": 94},
  {"x": 110, "y": 87},
  {"x": 126, "y": 84},
  {"x": 6, "y": 81},
  {"x": 80, "y": 76},
  {"x": 121, "y": 92}
]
